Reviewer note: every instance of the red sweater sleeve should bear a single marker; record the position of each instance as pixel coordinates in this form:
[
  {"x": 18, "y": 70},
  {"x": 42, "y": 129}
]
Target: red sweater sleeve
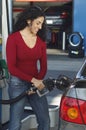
[
  {"x": 43, "y": 64},
  {"x": 11, "y": 60}
]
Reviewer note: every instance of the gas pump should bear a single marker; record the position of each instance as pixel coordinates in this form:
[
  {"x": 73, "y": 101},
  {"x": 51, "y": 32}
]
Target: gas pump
[{"x": 4, "y": 22}]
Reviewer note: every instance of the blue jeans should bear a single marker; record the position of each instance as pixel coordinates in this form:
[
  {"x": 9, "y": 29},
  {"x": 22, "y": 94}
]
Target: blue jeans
[{"x": 38, "y": 104}]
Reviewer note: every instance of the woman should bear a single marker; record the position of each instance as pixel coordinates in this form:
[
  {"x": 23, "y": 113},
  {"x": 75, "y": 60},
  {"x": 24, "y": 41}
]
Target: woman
[{"x": 25, "y": 47}]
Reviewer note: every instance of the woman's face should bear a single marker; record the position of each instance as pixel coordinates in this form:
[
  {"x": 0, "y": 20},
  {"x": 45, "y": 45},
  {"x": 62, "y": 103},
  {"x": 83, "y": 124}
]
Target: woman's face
[{"x": 36, "y": 25}]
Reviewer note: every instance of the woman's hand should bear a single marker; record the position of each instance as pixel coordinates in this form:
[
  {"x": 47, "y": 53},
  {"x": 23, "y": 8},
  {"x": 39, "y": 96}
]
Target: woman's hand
[
  {"x": 37, "y": 83},
  {"x": 31, "y": 92}
]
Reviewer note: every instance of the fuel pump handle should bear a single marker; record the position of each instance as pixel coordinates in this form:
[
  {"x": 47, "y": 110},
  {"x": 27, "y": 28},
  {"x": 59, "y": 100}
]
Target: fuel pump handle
[{"x": 62, "y": 82}]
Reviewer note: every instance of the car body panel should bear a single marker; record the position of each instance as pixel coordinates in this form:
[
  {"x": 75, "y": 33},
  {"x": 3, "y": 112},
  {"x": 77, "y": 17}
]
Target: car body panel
[
  {"x": 81, "y": 93},
  {"x": 77, "y": 90},
  {"x": 82, "y": 72},
  {"x": 71, "y": 126}
]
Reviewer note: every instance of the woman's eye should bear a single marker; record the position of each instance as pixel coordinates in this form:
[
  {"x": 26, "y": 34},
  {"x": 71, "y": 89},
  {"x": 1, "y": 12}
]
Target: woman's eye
[{"x": 37, "y": 23}]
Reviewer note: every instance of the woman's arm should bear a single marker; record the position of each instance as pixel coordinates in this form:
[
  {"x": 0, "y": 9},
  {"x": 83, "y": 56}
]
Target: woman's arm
[{"x": 43, "y": 63}]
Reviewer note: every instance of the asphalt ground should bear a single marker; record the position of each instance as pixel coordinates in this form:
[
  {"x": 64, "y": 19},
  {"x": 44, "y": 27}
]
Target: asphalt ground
[{"x": 63, "y": 64}]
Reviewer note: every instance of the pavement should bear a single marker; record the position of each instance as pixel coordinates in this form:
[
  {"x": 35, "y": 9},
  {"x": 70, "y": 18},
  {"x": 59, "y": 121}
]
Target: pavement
[{"x": 59, "y": 62}]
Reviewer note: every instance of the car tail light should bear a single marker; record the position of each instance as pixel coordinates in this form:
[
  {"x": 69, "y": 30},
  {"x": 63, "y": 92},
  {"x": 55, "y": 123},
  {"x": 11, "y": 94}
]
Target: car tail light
[
  {"x": 73, "y": 110},
  {"x": 64, "y": 15}
]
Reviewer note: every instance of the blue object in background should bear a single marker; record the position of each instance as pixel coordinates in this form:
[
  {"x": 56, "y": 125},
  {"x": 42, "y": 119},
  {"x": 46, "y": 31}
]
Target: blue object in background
[{"x": 79, "y": 18}]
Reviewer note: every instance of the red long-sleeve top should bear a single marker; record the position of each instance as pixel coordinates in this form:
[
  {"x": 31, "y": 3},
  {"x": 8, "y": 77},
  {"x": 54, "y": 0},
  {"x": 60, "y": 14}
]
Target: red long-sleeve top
[{"x": 22, "y": 61}]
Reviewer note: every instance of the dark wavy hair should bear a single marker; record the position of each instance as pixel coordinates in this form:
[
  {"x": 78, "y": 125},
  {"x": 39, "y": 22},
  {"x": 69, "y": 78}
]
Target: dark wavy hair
[{"x": 30, "y": 13}]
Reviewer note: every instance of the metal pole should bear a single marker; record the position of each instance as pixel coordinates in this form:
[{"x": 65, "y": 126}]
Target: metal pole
[
  {"x": 0, "y": 7},
  {"x": 63, "y": 42},
  {"x": 6, "y": 23},
  {"x": 10, "y": 14},
  {"x": 4, "y": 92},
  {"x": 4, "y": 28}
]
